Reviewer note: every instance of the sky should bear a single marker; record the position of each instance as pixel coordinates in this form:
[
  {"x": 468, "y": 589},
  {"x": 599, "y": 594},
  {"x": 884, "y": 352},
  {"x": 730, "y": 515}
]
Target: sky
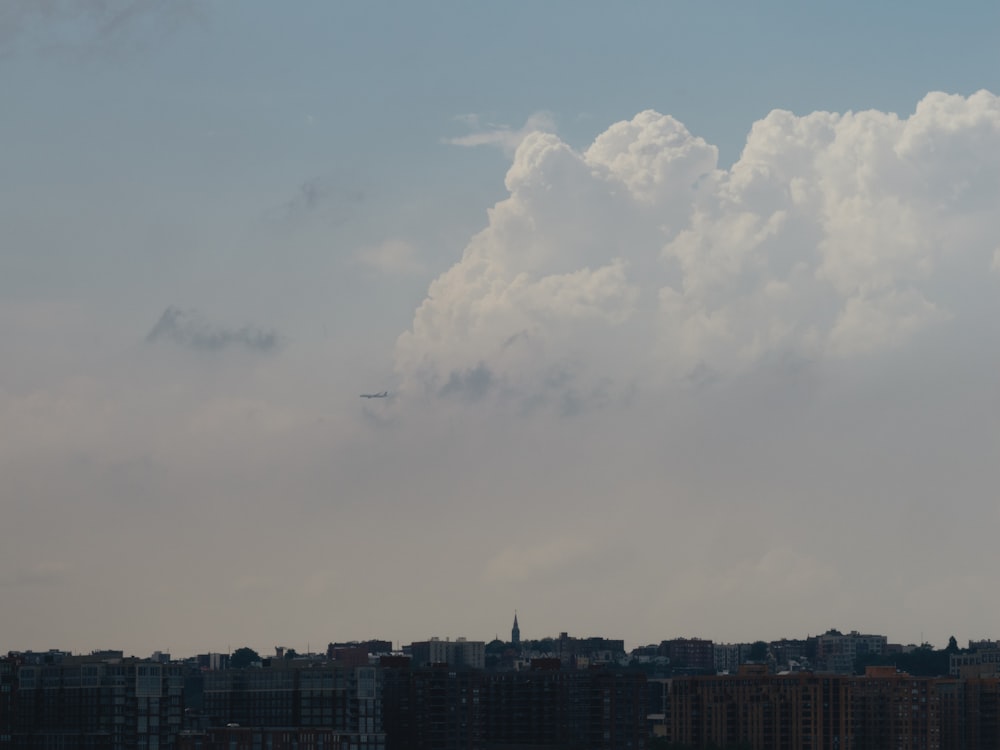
[{"x": 688, "y": 313}]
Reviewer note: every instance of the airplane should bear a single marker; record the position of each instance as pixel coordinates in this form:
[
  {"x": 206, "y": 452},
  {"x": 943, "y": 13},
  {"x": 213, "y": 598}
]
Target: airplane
[{"x": 383, "y": 394}]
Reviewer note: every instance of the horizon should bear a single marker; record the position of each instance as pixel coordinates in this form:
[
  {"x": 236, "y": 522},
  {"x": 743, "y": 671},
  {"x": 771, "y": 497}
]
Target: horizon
[
  {"x": 686, "y": 315},
  {"x": 230, "y": 648}
]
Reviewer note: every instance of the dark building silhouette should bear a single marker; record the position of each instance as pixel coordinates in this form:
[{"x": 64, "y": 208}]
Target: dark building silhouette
[
  {"x": 515, "y": 633},
  {"x": 82, "y": 702},
  {"x": 271, "y": 738},
  {"x": 353, "y": 649},
  {"x": 693, "y": 655},
  {"x": 577, "y": 652},
  {"x": 294, "y": 696},
  {"x": 446, "y": 708},
  {"x": 458, "y": 653},
  {"x": 8, "y": 691},
  {"x": 433, "y": 707}
]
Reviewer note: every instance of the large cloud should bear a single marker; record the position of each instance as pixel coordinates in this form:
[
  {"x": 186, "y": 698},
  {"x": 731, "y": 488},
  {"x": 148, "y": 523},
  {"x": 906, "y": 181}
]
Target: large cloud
[{"x": 832, "y": 238}]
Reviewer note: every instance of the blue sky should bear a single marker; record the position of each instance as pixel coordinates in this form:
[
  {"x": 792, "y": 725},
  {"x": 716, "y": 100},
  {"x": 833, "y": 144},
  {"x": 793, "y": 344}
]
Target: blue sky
[{"x": 581, "y": 311}]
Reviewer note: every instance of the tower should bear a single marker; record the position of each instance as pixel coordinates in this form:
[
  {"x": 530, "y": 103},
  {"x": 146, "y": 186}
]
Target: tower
[{"x": 515, "y": 632}]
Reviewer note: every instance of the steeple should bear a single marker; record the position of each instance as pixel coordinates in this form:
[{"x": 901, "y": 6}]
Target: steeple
[{"x": 515, "y": 632}]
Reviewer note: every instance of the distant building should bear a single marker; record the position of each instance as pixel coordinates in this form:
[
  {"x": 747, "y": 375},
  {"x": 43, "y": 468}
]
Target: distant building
[
  {"x": 585, "y": 652},
  {"x": 985, "y": 663},
  {"x": 374, "y": 647},
  {"x": 984, "y": 645},
  {"x": 457, "y": 653},
  {"x": 515, "y": 633},
  {"x": 727, "y": 657},
  {"x": 791, "y": 654},
  {"x": 836, "y": 652},
  {"x": 694, "y": 655},
  {"x": 213, "y": 661}
]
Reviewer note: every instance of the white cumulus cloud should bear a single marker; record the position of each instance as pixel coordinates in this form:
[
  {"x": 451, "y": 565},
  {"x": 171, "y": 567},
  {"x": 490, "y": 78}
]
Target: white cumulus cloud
[{"x": 833, "y": 236}]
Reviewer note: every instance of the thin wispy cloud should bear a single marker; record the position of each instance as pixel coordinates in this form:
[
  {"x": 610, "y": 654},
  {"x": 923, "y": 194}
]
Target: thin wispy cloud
[
  {"x": 322, "y": 197},
  {"x": 190, "y": 329},
  {"x": 392, "y": 257},
  {"x": 500, "y": 136},
  {"x": 92, "y": 27}
]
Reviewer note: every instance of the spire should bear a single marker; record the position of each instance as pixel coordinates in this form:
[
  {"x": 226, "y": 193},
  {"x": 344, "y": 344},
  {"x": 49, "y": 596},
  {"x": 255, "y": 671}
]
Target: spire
[{"x": 515, "y": 632}]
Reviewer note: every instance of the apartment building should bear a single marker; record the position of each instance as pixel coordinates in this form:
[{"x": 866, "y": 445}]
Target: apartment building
[
  {"x": 295, "y": 696},
  {"x": 458, "y": 653},
  {"x": 112, "y": 704}
]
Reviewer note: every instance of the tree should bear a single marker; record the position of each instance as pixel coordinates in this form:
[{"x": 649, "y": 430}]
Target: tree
[
  {"x": 952, "y": 647},
  {"x": 243, "y": 657}
]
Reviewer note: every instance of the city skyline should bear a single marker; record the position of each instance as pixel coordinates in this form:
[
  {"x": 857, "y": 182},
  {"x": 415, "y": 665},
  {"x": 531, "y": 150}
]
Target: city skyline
[
  {"x": 685, "y": 313},
  {"x": 528, "y": 645}
]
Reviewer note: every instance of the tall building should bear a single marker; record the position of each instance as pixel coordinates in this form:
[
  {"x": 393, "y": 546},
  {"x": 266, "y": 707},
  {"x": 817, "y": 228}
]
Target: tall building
[
  {"x": 515, "y": 632},
  {"x": 894, "y": 709},
  {"x": 457, "y": 653},
  {"x": 294, "y": 696},
  {"x": 112, "y": 704},
  {"x": 8, "y": 688},
  {"x": 824, "y": 711},
  {"x": 441, "y": 708},
  {"x": 550, "y": 707},
  {"x": 752, "y": 708}
]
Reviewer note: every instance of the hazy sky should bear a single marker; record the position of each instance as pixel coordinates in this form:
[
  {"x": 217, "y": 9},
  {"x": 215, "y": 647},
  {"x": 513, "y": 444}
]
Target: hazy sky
[{"x": 689, "y": 313}]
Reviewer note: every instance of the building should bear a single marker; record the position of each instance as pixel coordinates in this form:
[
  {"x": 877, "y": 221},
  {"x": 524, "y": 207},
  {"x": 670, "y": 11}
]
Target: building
[
  {"x": 111, "y": 704},
  {"x": 984, "y": 663},
  {"x": 836, "y": 652},
  {"x": 460, "y": 653},
  {"x": 727, "y": 657},
  {"x": 813, "y": 711},
  {"x": 693, "y": 655},
  {"x": 293, "y": 696},
  {"x": 893, "y": 709},
  {"x": 583, "y": 653},
  {"x": 272, "y": 738},
  {"x": 441, "y": 708},
  {"x": 760, "y": 710},
  {"x": 432, "y": 707},
  {"x": 8, "y": 693},
  {"x": 550, "y": 707}
]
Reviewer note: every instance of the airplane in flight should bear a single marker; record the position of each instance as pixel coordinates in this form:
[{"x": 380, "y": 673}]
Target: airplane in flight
[{"x": 383, "y": 394}]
